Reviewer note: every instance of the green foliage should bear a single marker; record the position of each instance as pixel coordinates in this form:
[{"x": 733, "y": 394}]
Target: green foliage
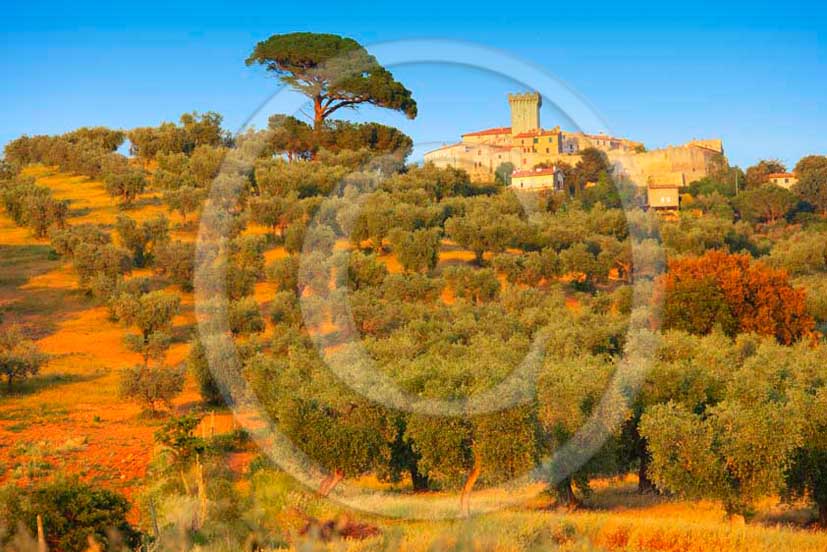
[
  {"x": 696, "y": 235},
  {"x": 333, "y": 71},
  {"x": 737, "y": 453},
  {"x": 152, "y": 315},
  {"x": 364, "y": 270},
  {"x": 244, "y": 317},
  {"x": 65, "y": 241},
  {"x": 593, "y": 167},
  {"x": 284, "y": 273},
  {"x": 184, "y": 200},
  {"x": 767, "y": 203},
  {"x": 176, "y": 261},
  {"x": 100, "y": 266},
  {"x": 278, "y": 178},
  {"x": 338, "y": 136},
  {"x": 28, "y": 204},
  {"x": 698, "y": 306},
  {"x": 481, "y": 228},
  {"x": 436, "y": 183},
  {"x": 195, "y": 130},
  {"x": 125, "y": 184},
  {"x": 82, "y": 151},
  {"x": 374, "y": 221},
  {"x": 417, "y": 251},
  {"x": 72, "y": 513},
  {"x": 754, "y": 442},
  {"x": 758, "y": 174},
  {"x": 604, "y": 191},
  {"x": 177, "y": 436},
  {"x": 502, "y": 175},
  {"x": 151, "y": 386},
  {"x": 206, "y": 159},
  {"x": 478, "y": 286},
  {"x": 802, "y": 254},
  {"x": 274, "y": 212},
  {"x": 142, "y": 239},
  {"x": 198, "y": 365},
  {"x": 811, "y": 172},
  {"x": 19, "y": 357}
]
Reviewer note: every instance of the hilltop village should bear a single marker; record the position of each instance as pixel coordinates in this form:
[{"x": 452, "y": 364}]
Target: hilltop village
[{"x": 536, "y": 154}]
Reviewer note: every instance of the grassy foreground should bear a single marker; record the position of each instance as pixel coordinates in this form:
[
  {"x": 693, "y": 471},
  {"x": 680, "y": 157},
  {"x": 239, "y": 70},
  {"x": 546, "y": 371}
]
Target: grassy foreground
[{"x": 615, "y": 518}]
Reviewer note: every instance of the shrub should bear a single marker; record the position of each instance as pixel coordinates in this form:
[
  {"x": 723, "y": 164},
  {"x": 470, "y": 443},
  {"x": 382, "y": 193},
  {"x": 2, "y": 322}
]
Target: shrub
[{"x": 72, "y": 513}]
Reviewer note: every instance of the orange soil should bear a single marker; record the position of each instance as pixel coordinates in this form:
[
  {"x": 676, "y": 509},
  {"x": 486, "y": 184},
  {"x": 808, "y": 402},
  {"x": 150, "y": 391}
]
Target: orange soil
[{"x": 74, "y": 421}]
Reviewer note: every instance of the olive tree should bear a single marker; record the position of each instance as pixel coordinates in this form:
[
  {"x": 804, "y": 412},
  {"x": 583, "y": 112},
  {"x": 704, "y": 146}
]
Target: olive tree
[
  {"x": 740, "y": 449},
  {"x": 416, "y": 251},
  {"x": 125, "y": 184},
  {"x": 20, "y": 358},
  {"x": 176, "y": 261},
  {"x": 151, "y": 314},
  {"x": 142, "y": 239}
]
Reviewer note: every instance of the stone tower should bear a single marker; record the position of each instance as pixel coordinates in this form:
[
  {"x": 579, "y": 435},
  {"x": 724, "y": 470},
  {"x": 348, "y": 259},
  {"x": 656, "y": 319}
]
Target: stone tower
[{"x": 525, "y": 112}]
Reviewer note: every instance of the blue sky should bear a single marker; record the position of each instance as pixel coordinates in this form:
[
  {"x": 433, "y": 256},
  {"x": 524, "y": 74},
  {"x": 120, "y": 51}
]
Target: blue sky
[{"x": 752, "y": 73}]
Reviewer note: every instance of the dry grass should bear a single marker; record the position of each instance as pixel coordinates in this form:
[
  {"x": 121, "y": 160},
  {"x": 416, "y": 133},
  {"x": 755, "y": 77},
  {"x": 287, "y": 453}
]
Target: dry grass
[{"x": 616, "y": 519}]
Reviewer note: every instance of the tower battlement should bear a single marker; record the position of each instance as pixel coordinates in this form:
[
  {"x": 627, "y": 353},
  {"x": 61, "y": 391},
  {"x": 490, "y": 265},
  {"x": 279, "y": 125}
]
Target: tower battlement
[{"x": 525, "y": 112}]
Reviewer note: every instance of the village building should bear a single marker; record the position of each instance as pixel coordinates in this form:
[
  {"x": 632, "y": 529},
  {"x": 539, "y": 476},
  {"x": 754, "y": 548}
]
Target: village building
[
  {"x": 538, "y": 179},
  {"x": 663, "y": 197},
  {"x": 785, "y": 180},
  {"x": 525, "y": 145}
]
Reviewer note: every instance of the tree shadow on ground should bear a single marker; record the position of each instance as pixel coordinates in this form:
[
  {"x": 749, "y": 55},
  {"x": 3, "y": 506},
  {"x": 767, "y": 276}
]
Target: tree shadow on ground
[
  {"x": 35, "y": 384},
  {"x": 40, "y": 309}
]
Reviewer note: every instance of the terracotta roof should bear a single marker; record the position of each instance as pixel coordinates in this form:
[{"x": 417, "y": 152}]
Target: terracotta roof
[
  {"x": 537, "y": 132},
  {"x": 781, "y": 175},
  {"x": 490, "y": 131},
  {"x": 534, "y": 172}
]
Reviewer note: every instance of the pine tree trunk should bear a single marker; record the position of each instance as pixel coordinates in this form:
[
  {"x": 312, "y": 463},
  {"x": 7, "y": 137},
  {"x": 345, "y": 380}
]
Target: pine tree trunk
[
  {"x": 318, "y": 113},
  {"x": 822, "y": 515}
]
